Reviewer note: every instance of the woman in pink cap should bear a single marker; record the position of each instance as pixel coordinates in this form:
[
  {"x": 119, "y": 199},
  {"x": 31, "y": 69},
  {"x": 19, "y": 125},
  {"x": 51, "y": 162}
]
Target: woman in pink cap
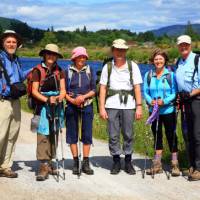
[{"x": 81, "y": 88}]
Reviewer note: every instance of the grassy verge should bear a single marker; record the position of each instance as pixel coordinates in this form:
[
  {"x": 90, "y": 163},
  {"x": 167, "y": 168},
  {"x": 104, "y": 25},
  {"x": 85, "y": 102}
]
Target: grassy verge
[
  {"x": 143, "y": 137},
  {"x": 139, "y": 54}
]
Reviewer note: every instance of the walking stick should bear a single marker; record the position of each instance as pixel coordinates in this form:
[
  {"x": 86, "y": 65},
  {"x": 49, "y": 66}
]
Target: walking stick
[
  {"x": 55, "y": 138},
  {"x": 79, "y": 138},
  {"x": 62, "y": 147}
]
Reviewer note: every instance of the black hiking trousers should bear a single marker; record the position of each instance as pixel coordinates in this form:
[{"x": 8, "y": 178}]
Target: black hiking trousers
[
  {"x": 169, "y": 121},
  {"x": 190, "y": 118}
]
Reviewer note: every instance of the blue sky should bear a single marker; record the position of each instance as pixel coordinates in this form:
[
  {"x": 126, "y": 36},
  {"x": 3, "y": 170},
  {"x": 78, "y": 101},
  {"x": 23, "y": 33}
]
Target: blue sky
[{"x": 135, "y": 15}]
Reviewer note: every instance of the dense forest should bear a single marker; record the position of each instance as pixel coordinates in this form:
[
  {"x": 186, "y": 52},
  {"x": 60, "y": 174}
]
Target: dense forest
[{"x": 81, "y": 36}]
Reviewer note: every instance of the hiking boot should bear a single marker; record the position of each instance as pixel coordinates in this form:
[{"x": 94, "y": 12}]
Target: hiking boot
[
  {"x": 188, "y": 172},
  {"x": 116, "y": 165},
  {"x": 116, "y": 168},
  {"x": 175, "y": 171},
  {"x": 52, "y": 170},
  {"x": 195, "y": 176},
  {"x": 75, "y": 167},
  {"x": 156, "y": 168},
  {"x": 43, "y": 172},
  {"x": 8, "y": 173},
  {"x": 86, "y": 167},
  {"x": 129, "y": 169}
]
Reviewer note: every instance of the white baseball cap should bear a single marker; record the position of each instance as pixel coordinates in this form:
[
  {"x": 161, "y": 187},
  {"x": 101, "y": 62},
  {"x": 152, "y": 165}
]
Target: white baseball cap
[
  {"x": 119, "y": 44},
  {"x": 184, "y": 39}
]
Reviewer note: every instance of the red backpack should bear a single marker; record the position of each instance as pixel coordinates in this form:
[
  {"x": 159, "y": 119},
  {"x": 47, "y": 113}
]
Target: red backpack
[{"x": 31, "y": 100}]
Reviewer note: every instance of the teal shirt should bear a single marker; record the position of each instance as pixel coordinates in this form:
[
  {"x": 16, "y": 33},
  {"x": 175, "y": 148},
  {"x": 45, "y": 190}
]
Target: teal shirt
[
  {"x": 161, "y": 88},
  {"x": 185, "y": 72}
]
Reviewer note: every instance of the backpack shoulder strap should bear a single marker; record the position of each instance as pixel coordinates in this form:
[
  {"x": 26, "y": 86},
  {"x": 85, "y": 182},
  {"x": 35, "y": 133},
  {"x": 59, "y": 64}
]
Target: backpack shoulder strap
[
  {"x": 169, "y": 79},
  {"x": 177, "y": 62},
  {"x": 109, "y": 67},
  {"x": 88, "y": 72},
  {"x": 130, "y": 68},
  {"x": 196, "y": 64},
  {"x": 69, "y": 75},
  {"x": 149, "y": 76},
  {"x": 42, "y": 73},
  {"x": 3, "y": 69}
]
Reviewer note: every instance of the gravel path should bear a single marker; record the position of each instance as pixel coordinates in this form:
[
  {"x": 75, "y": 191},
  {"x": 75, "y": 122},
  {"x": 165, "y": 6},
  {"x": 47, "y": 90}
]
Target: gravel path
[{"x": 100, "y": 186}]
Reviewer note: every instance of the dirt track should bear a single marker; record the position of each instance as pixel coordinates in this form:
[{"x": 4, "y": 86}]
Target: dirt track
[{"x": 100, "y": 186}]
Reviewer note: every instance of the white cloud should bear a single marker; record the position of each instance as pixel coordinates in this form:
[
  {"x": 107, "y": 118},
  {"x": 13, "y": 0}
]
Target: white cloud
[{"x": 130, "y": 14}]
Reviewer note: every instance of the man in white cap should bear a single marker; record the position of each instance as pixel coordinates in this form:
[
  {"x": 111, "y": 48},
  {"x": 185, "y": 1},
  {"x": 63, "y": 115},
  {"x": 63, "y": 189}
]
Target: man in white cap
[
  {"x": 11, "y": 88},
  {"x": 120, "y": 103},
  {"x": 188, "y": 81}
]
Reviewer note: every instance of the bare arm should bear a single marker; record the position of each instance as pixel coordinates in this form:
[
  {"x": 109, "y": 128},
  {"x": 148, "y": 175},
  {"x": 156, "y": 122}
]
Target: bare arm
[
  {"x": 102, "y": 99},
  {"x": 37, "y": 94},
  {"x": 62, "y": 90},
  {"x": 195, "y": 92},
  {"x": 138, "y": 99}
]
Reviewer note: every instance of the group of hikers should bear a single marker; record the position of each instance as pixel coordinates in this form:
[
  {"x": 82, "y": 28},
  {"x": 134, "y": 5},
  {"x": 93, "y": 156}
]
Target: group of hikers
[{"x": 120, "y": 103}]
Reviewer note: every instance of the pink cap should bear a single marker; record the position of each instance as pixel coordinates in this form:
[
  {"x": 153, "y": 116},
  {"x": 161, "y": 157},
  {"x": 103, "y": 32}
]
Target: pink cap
[{"x": 79, "y": 51}]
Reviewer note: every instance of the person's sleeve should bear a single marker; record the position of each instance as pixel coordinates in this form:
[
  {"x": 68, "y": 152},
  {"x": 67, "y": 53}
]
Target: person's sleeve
[
  {"x": 146, "y": 90},
  {"x": 36, "y": 75},
  {"x": 172, "y": 96},
  {"x": 104, "y": 75},
  {"x": 137, "y": 77},
  {"x": 62, "y": 74},
  {"x": 93, "y": 80}
]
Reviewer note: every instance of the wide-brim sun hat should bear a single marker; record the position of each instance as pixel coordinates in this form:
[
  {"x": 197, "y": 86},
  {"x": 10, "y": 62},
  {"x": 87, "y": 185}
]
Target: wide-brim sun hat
[
  {"x": 79, "y": 51},
  {"x": 184, "y": 39},
  {"x": 10, "y": 33},
  {"x": 120, "y": 44},
  {"x": 53, "y": 48}
]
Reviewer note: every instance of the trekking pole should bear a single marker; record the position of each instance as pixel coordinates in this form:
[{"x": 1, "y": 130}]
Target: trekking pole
[
  {"x": 145, "y": 159},
  {"x": 156, "y": 138},
  {"x": 79, "y": 139},
  {"x": 174, "y": 132},
  {"x": 55, "y": 139},
  {"x": 62, "y": 147}
]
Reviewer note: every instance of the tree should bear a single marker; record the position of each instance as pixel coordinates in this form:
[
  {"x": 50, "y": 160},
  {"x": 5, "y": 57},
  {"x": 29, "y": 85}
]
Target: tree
[
  {"x": 49, "y": 37},
  {"x": 1, "y": 29},
  {"x": 190, "y": 31},
  {"x": 52, "y": 29}
]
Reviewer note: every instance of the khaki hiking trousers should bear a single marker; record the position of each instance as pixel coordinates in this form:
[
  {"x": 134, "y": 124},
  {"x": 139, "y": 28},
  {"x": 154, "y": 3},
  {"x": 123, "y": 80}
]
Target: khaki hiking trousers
[{"x": 10, "y": 119}]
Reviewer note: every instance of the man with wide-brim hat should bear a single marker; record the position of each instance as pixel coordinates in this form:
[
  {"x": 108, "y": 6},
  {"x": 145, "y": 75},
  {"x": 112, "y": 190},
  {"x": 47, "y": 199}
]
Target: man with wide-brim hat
[
  {"x": 188, "y": 81},
  {"x": 11, "y": 78},
  {"x": 120, "y": 103}
]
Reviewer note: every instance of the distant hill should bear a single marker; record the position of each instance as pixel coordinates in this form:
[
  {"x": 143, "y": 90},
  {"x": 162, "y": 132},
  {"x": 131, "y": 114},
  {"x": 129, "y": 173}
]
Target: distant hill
[
  {"x": 175, "y": 30},
  {"x": 5, "y": 23}
]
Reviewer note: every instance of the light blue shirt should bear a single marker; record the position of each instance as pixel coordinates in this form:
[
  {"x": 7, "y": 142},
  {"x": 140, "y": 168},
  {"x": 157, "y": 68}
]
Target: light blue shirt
[
  {"x": 161, "y": 88},
  {"x": 185, "y": 72}
]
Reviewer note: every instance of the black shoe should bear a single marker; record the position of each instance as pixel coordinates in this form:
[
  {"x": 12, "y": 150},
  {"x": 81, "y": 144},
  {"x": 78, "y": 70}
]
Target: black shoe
[
  {"x": 116, "y": 167},
  {"x": 86, "y": 167},
  {"x": 75, "y": 167},
  {"x": 129, "y": 169}
]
